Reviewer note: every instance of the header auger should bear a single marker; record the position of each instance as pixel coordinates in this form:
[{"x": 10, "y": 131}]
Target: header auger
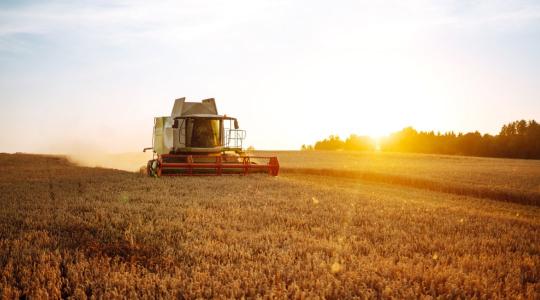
[{"x": 196, "y": 140}]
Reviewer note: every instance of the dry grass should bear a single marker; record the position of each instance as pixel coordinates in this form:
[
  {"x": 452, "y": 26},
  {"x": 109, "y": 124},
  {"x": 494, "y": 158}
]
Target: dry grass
[
  {"x": 505, "y": 174},
  {"x": 512, "y": 180},
  {"x": 494, "y": 193},
  {"x": 89, "y": 232}
]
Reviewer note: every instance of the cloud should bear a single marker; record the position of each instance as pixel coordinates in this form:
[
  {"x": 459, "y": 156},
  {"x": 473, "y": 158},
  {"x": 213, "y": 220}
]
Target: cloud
[
  {"x": 118, "y": 21},
  {"x": 173, "y": 22},
  {"x": 492, "y": 14}
]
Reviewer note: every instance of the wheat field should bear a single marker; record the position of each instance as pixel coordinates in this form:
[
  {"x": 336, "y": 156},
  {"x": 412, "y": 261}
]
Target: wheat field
[{"x": 394, "y": 226}]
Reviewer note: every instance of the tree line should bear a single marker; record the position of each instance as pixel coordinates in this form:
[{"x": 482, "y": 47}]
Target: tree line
[
  {"x": 353, "y": 143},
  {"x": 519, "y": 139}
]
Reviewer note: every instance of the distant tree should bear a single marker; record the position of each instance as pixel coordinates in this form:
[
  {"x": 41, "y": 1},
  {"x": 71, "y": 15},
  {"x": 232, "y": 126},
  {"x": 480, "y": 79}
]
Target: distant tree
[
  {"x": 359, "y": 143},
  {"x": 352, "y": 143},
  {"x": 405, "y": 140},
  {"x": 333, "y": 142},
  {"x": 518, "y": 139},
  {"x": 306, "y": 147}
]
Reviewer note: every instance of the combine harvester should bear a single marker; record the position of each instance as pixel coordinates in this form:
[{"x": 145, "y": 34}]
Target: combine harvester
[{"x": 195, "y": 140}]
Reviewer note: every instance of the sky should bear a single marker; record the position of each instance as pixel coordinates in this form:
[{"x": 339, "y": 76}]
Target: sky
[{"x": 92, "y": 75}]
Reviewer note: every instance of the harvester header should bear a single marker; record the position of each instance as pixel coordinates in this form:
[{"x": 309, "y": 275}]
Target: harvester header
[{"x": 196, "y": 140}]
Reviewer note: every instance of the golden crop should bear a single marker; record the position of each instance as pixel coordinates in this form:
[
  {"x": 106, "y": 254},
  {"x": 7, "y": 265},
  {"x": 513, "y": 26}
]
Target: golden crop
[
  {"x": 69, "y": 231},
  {"x": 511, "y": 180}
]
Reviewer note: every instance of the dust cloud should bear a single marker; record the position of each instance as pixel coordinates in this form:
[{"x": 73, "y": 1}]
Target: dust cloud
[
  {"x": 92, "y": 155},
  {"x": 131, "y": 162}
]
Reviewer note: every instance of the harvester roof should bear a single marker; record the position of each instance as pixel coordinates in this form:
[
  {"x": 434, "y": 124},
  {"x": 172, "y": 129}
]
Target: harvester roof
[
  {"x": 207, "y": 116},
  {"x": 183, "y": 108}
]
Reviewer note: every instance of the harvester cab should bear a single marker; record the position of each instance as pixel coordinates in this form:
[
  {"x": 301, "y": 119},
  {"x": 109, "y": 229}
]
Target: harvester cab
[{"x": 196, "y": 140}]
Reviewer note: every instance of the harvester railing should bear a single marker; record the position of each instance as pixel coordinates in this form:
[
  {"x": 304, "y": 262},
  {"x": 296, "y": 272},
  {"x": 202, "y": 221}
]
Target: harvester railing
[{"x": 234, "y": 138}]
